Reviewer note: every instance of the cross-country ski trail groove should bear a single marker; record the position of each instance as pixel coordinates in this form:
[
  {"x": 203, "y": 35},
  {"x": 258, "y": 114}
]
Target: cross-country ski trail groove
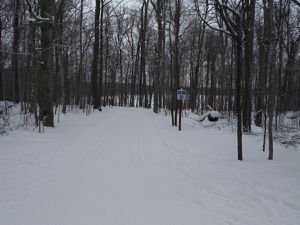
[{"x": 127, "y": 166}]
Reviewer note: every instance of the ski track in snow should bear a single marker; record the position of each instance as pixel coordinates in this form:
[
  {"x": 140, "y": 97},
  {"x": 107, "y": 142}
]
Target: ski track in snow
[{"x": 129, "y": 167}]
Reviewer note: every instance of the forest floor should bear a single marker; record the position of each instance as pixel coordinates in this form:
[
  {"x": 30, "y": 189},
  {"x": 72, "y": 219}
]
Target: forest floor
[{"x": 128, "y": 166}]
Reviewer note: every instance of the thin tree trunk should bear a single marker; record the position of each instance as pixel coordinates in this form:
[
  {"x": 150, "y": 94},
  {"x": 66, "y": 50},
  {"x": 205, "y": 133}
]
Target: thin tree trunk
[
  {"x": 66, "y": 88},
  {"x": 101, "y": 56},
  {"x": 1, "y": 65},
  {"x": 78, "y": 100},
  {"x": 239, "y": 66},
  {"x": 15, "y": 47},
  {"x": 95, "y": 64}
]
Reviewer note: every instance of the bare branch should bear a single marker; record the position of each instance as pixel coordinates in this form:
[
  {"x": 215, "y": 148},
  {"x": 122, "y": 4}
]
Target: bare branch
[
  {"x": 296, "y": 2},
  {"x": 34, "y": 15},
  {"x": 204, "y": 20}
]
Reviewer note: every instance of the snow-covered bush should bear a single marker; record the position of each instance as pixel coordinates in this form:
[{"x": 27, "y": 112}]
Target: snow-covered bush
[{"x": 212, "y": 116}]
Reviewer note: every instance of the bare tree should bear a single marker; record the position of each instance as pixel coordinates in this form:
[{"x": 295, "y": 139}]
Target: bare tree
[
  {"x": 249, "y": 18},
  {"x": 1, "y": 64},
  {"x": 159, "y": 7},
  {"x": 15, "y": 47},
  {"x": 95, "y": 65}
]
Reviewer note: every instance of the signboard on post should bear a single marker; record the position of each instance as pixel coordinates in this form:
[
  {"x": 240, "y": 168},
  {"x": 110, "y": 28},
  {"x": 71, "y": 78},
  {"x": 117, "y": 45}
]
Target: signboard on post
[{"x": 181, "y": 96}]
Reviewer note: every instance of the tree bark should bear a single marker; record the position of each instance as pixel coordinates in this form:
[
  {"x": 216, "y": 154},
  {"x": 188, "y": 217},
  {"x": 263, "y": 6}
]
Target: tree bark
[
  {"x": 101, "y": 56},
  {"x": 159, "y": 6},
  {"x": 239, "y": 66},
  {"x": 261, "y": 84},
  {"x": 249, "y": 17},
  {"x": 15, "y": 47},
  {"x": 78, "y": 100},
  {"x": 1, "y": 65},
  {"x": 44, "y": 96},
  {"x": 176, "y": 60},
  {"x": 95, "y": 63},
  {"x": 269, "y": 42}
]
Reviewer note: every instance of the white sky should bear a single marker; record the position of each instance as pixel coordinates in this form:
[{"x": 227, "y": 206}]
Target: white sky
[{"x": 130, "y": 3}]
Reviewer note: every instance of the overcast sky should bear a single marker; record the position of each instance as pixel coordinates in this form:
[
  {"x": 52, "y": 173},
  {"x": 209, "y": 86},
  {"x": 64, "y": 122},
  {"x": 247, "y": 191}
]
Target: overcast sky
[{"x": 130, "y": 3}]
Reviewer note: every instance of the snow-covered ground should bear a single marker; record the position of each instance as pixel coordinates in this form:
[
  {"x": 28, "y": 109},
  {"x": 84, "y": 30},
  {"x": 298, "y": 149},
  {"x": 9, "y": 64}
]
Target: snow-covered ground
[{"x": 130, "y": 167}]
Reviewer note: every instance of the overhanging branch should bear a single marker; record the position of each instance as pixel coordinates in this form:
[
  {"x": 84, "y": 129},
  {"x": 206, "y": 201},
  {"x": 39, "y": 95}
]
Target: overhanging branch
[{"x": 34, "y": 15}]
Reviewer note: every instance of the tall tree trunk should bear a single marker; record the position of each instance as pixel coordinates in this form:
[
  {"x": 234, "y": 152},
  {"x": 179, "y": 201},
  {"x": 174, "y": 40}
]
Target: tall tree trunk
[
  {"x": 32, "y": 67},
  {"x": 249, "y": 36},
  {"x": 158, "y": 54},
  {"x": 195, "y": 81},
  {"x": 1, "y": 65},
  {"x": 101, "y": 56},
  {"x": 107, "y": 52},
  {"x": 95, "y": 63},
  {"x": 15, "y": 47},
  {"x": 239, "y": 66},
  {"x": 176, "y": 61},
  {"x": 261, "y": 84},
  {"x": 143, "y": 32},
  {"x": 78, "y": 100},
  {"x": 208, "y": 65},
  {"x": 163, "y": 88},
  {"x": 134, "y": 72},
  {"x": 280, "y": 63},
  {"x": 58, "y": 59},
  {"x": 66, "y": 88},
  {"x": 269, "y": 46},
  {"x": 44, "y": 96},
  {"x": 212, "y": 93}
]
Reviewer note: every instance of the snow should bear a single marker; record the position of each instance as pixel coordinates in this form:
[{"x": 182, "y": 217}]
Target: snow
[
  {"x": 214, "y": 114},
  {"x": 128, "y": 166},
  {"x": 30, "y": 19}
]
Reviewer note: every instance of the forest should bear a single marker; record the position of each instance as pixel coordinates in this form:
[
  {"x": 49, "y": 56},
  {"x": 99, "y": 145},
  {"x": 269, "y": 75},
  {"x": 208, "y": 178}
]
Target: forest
[
  {"x": 150, "y": 112},
  {"x": 238, "y": 57}
]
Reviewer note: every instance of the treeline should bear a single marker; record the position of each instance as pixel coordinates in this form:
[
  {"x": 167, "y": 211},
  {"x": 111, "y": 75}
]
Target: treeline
[{"x": 239, "y": 57}]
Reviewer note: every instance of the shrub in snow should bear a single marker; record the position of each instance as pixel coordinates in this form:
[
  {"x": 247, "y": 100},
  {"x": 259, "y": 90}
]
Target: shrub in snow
[{"x": 213, "y": 115}]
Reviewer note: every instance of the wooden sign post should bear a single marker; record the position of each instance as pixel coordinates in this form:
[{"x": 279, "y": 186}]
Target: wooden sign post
[{"x": 181, "y": 96}]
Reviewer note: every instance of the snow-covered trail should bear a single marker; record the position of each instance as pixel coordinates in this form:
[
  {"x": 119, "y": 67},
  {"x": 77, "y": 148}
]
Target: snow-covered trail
[
  {"x": 114, "y": 173},
  {"x": 128, "y": 167}
]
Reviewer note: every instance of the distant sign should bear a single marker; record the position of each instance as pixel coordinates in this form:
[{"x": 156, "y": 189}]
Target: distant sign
[{"x": 181, "y": 94}]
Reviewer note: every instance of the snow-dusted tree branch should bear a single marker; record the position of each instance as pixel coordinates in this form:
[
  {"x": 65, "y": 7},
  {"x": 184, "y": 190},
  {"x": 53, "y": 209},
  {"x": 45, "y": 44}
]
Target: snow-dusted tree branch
[
  {"x": 34, "y": 16},
  {"x": 296, "y": 2}
]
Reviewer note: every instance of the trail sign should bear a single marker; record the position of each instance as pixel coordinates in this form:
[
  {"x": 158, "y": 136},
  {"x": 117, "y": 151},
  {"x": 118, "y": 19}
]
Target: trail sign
[{"x": 181, "y": 94}]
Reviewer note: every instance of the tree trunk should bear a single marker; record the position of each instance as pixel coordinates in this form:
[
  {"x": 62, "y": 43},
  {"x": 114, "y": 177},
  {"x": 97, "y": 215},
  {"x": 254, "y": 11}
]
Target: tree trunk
[
  {"x": 269, "y": 46},
  {"x": 261, "y": 84},
  {"x": 15, "y": 47},
  {"x": 176, "y": 61},
  {"x": 66, "y": 89},
  {"x": 158, "y": 58},
  {"x": 95, "y": 64},
  {"x": 143, "y": 32},
  {"x": 249, "y": 36},
  {"x": 1, "y": 65},
  {"x": 101, "y": 56},
  {"x": 239, "y": 66},
  {"x": 44, "y": 96},
  {"x": 78, "y": 100}
]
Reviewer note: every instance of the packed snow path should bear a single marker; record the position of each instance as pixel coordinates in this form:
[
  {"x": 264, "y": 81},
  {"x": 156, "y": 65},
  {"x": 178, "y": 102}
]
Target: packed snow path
[{"x": 130, "y": 167}]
